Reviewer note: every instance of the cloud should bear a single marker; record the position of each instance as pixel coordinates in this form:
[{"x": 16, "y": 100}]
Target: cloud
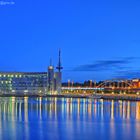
[
  {"x": 129, "y": 74},
  {"x": 3, "y": 3},
  {"x": 104, "y": 65}
]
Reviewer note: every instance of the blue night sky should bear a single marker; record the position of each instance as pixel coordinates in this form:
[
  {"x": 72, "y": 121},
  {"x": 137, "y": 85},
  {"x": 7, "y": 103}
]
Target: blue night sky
[{"x": 99, "y": 39}]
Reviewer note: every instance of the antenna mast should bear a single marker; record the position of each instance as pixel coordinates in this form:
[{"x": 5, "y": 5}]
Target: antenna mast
[{"x": 59, "y": 66}]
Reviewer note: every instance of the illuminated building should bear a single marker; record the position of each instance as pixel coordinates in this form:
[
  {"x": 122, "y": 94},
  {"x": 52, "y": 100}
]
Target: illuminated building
[
  {"x": 16, "y": 82},
  {"x": 31, "y": 82},
  {"x": 51, "y": 79},
  {"x": 136, "y": 83}
]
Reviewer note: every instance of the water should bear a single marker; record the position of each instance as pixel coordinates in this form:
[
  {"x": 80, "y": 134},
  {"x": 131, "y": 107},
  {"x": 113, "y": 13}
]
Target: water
[{"x": 69, "y": 119}]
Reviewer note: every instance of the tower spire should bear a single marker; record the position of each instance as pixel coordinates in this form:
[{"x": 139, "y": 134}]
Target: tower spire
[
  {"x": 50, "y": 61},
  {"x": 59, "y": 66}
]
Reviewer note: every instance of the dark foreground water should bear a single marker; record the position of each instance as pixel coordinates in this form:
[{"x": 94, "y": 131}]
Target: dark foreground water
[{"x": 69, "y": 119}]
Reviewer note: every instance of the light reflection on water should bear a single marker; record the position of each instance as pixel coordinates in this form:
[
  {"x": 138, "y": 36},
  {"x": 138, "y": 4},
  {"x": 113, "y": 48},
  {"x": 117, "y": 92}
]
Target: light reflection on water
[{"x": 67, "y": 118}]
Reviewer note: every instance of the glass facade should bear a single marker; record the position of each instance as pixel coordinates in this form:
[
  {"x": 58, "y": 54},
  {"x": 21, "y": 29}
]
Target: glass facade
[{"x": 23, "y": 82}]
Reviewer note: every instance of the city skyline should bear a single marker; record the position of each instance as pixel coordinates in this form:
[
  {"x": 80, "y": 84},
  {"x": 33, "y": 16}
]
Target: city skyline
[
  {"x": 99, "y": 39},
  {"x": 69, "y": 69}
]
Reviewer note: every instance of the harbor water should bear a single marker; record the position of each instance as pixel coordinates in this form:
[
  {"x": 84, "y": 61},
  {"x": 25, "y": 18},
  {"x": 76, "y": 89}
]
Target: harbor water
[{"x": 24, "y": 118}]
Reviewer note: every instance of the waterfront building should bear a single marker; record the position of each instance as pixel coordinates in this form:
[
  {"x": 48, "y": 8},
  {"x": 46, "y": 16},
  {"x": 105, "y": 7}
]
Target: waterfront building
[
  {"x": 136, "y": 83},
  {"x": 51, "y": 79},
  {"x": 27, "y": 82},
  {"x": 31, "y": 82}
]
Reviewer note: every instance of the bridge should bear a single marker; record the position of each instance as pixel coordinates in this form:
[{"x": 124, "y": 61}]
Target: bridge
[
  {"x": 117, "y": 84},
  {"x": 81, "y": 88},
  {"x": 111, "y": 85}
]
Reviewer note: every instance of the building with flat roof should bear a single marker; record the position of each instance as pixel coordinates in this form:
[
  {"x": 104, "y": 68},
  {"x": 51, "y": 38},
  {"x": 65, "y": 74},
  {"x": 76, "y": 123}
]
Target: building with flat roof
[{"x": 32, "y": 82}]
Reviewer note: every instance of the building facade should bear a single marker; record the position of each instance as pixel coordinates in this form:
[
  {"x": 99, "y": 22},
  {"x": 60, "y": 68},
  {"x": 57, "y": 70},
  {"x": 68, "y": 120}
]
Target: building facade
[
  {"x": 19, "y": 82},
  {"x": 31, "y": 82}
]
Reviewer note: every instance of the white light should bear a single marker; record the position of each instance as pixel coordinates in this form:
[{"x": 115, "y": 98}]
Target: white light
[{"x": 25, "y": 91}]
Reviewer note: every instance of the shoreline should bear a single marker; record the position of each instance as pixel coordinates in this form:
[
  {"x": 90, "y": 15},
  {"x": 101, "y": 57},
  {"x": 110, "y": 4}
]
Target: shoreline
[{"x": 128, "y": 97}]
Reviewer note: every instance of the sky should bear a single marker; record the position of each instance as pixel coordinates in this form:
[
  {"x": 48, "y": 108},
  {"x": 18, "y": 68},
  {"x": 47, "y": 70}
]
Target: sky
[{"x": 99, "y": 39}]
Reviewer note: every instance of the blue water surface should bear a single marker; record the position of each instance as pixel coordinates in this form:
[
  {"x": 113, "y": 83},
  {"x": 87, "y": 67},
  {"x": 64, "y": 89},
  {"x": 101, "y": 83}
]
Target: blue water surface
[{"x": 68, "y": 119}]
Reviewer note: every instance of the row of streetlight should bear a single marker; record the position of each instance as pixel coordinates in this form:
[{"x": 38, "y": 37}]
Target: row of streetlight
[{"x": 121, "y": 84}]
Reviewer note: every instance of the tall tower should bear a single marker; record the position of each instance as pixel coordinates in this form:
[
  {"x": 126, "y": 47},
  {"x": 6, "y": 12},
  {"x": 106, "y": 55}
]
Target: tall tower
[
  {"x": 59, "y": 66},
  {"x": 58, "y": 75},
  {"x": 51, "y": 78}
]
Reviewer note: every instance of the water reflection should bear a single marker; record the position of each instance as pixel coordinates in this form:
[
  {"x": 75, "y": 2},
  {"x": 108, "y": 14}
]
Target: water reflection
[
  {"x": 26, "y": 115},
  {"x": 21, "y": 108}
]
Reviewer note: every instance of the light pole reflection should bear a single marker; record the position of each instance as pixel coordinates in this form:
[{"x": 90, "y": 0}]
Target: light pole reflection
[
  {"x": 112, "y": 109},
  {"x": 40, "y": 108},
  {"x": 26, "y": 109},
  {"x": 128, "y": 110},
  {"x": 138, "y": 110}
]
